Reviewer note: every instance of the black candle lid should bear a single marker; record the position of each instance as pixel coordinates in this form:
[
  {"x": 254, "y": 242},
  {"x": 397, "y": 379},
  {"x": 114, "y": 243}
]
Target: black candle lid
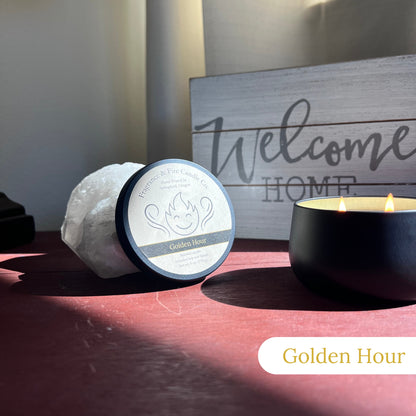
[{"x": 174, "y": 218}]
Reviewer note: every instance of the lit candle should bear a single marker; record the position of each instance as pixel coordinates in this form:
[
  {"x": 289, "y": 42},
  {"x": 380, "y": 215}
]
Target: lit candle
[
  {"x": 370, "y": 248},
  {"x": 341, "y": 206},
  {"x": 389, "y": 207}
]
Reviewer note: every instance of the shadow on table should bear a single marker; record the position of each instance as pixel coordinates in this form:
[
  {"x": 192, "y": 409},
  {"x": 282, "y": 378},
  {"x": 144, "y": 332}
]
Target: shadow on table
[
  {"x": 62, "y": 359},
  {"x": 278, "y": 288},
  {"x": 47, "y": 281}
]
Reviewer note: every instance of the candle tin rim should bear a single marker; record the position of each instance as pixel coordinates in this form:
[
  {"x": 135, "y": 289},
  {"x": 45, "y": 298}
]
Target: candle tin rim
[
  {"x": 355, "y": 211},
  {"x": 124, "y": 232}
]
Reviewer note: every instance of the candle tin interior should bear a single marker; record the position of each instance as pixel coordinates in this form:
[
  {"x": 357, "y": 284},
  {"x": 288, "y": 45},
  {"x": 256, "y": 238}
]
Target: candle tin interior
[
  {"x": 175, "y": 219},
  {"x": 363, "y": 249}
]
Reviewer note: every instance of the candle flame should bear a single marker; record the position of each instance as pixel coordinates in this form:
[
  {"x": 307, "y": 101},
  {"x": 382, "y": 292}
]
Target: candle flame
[
  {"x": 342, "y": 207},
  {"x": 389, "y": 207}
]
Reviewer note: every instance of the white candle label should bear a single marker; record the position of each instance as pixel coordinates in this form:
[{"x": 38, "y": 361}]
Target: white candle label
[{"x": 179, "y": 220}]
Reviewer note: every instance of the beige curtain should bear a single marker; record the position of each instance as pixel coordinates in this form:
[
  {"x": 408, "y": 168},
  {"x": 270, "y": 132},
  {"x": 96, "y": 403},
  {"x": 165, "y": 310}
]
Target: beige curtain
[{"x": 175, "y": 53}]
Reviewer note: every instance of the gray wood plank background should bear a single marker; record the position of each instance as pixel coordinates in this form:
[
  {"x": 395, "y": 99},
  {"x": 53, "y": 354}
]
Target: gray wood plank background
[{"x": 274, "y": 137}]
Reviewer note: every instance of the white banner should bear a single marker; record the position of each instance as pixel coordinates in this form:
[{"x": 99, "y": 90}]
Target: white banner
[{"x": 338, "y": 355}]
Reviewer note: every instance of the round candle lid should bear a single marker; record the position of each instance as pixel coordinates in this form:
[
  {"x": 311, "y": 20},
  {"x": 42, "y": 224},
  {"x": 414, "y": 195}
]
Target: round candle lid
[{"x": 174, "y": 218}]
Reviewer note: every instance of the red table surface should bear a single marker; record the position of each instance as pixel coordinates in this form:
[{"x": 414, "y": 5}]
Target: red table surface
[{"x": 74, "y": 344}]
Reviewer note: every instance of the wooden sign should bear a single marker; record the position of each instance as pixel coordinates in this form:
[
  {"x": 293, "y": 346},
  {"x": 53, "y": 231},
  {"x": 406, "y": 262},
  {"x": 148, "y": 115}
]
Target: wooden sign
[{"x": 274, "y": 137}]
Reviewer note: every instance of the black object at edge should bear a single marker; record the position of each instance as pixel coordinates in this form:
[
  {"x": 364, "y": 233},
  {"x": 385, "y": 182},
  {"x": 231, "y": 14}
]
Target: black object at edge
[{"x": 16, "y": 228}]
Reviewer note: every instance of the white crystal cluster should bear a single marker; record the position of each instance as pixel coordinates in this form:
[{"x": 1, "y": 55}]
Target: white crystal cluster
[{"x": 89, "y": 227}]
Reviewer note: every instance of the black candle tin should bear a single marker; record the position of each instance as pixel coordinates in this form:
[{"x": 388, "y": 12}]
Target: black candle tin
[{"x": 363, "y": 249}]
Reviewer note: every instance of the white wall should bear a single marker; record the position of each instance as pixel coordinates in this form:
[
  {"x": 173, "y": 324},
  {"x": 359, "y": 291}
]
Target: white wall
[
  {"x": 72, "y": 96},
  {"x": 345, "y": 30},
  {"x": 252, "y": 35}
]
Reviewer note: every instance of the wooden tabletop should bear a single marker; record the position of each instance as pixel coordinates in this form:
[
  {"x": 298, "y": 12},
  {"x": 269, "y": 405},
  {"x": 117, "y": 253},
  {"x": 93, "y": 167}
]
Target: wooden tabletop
[{"x": 74, "y": 344}]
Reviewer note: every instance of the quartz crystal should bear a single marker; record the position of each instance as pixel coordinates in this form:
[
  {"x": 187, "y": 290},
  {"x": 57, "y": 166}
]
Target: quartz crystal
[{"x": 89, "y": 227}]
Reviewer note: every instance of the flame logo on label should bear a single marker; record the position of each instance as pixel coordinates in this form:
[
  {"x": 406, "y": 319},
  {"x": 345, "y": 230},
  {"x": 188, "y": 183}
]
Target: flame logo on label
[{"x": 182, "y": 218}]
